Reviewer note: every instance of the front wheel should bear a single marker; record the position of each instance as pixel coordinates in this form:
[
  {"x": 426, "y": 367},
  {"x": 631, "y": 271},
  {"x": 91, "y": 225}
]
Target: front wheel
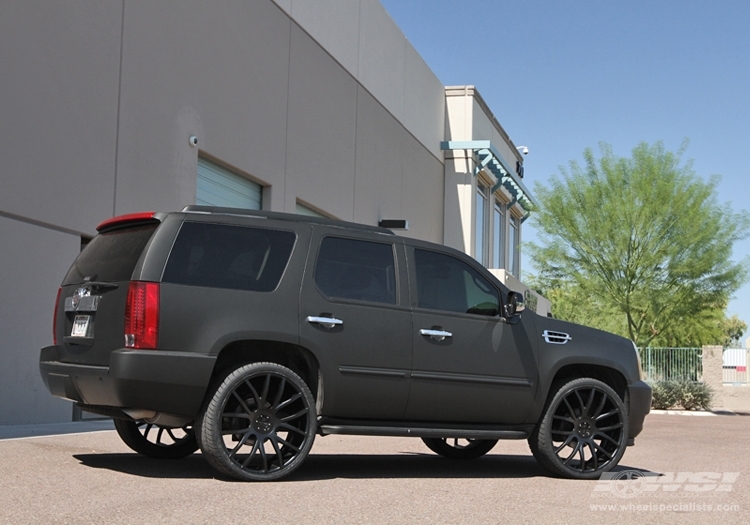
[
  {"x": 155, "y": 441},
  {"x": 457, "y": 448},
  {"x": 583, "y": 431},
  {"x": 259, "y": 424}
]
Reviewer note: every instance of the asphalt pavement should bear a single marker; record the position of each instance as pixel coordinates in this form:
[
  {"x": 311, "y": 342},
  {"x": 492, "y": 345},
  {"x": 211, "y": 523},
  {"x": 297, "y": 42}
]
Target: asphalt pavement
[{"x": 681, "y": 470}]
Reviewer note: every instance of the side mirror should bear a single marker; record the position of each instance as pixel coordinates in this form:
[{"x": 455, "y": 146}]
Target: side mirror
[{"x": 514, "y": 304}]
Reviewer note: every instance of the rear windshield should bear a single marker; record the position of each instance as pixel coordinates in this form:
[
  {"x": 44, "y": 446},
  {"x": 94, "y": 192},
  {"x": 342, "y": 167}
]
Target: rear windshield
[
  {"x": 110, "y": 256},
  {"x": 222, "y": 256}
]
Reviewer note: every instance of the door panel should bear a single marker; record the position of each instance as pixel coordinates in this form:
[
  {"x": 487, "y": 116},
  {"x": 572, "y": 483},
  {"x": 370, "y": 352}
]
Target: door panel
[
  {"x": 352, "y": 318},
  {"x": 476, "y": 368}
]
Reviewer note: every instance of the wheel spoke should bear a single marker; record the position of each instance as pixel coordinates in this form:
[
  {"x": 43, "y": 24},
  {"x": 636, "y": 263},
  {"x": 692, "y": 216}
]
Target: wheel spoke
[
  {"x": 159, "y": 433},
  {"x": 590, "y": 402},
  {"x": 287, "y": 444},
  {"x": 568, "y": 419},
  {"x": 608, "y": 414},
  {"x": 256, "y": 445},
  {"x": 242, "y": 403},
  {"x": 594, "y": 457},
  {"x": 611, "y": 427},
  {"x": 264, "y": 395},
  {"x": 238, "y": 415},
  {"x": 279, "y": 455},
  {"x": 565, "y": 444},
  {"x": 147, "y": 430},
  {"x": 602, "y": 449},
  {"x": 279, "y": 393},
  {"x": 301, "y": 413},
  {"x": 263, "y": 455},
  {"x": 570, "y": 408},
  {"x": 254, "y": 392},
  {"x": 291, "y": 428},
  {"x": 572, "y": 454},
  {"x": 240, "y": 444},
  {"x": 605, "y": 436},
  {"x": 171, "y": 434},
  {"x": 600, "y": 407},
  {"x": 289, "y": 401},
  {"x": 580, "y": 401}
]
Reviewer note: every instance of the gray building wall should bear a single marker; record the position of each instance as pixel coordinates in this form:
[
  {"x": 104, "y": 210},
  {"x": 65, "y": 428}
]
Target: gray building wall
[{"x": 323, "y": 101}]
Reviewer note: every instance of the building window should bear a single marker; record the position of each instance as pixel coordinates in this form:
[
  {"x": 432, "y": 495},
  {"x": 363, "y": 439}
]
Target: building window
[
  {"x": 498, "y": 235},
  {"x": 480, "y": 241},
  {"x": 217, "y": 186},
  {"x": 513, "y": 247},
  {"x": 301, "y": 209}
]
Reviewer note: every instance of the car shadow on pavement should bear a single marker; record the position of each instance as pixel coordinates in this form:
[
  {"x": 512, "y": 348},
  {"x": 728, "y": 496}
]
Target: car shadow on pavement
[{"x": 319, "y": 467}]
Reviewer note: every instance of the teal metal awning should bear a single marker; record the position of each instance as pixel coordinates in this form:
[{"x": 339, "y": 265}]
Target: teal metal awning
[{"x": 491, "y": 160}]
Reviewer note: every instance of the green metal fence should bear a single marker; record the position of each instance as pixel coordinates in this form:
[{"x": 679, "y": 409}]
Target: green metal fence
[{"x": 666, "y": 364}]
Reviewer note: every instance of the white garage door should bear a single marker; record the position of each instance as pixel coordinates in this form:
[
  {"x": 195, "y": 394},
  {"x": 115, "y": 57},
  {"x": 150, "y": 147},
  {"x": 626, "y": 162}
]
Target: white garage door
[{"x": 218, "y": 186}]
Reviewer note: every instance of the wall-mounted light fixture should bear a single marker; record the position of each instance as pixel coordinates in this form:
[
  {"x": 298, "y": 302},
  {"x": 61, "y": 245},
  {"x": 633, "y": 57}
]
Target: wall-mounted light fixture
[{"x": 394, "y": 224}]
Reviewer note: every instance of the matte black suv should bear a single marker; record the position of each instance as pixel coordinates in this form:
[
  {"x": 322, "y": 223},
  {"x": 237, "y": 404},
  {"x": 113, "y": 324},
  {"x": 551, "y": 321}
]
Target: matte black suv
[{"x": 245, "y": 334}]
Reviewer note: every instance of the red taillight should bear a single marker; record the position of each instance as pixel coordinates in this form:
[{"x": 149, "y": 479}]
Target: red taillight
[
  {"x": 142, "y": 315},
  {"x": 54, "y": 317}
]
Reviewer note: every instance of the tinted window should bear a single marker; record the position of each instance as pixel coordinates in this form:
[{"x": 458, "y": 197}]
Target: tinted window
[
  {"x": 446, "y": 283},
  {"x": 361, "y": 270},
  {"x": 221, "y": 256},
  {"x": 110, "y": 256}
]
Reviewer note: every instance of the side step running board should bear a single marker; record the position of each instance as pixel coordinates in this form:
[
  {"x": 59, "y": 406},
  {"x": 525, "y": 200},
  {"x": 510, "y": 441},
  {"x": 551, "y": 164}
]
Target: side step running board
[{"x": 366, "y": 430}]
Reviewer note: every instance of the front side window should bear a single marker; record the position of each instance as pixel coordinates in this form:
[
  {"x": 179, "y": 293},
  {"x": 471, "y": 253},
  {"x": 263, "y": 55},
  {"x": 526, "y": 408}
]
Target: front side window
[
  {"x": 224, "y": 256},
  {"x": 359, "y": 270},
  {"x": 446, "y": 283}
]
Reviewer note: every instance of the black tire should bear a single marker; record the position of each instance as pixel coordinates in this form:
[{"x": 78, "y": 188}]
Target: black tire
[
  {"x": 259, "y": 424},
  {"x": 583, "y": 431},
  {"x": 457, "y": 448},
  {"x": 155, "y": 441}
]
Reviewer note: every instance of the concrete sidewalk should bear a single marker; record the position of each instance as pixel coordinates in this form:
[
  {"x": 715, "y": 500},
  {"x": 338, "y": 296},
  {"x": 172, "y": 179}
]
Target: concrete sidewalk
[{"x": 74, "y": 427}]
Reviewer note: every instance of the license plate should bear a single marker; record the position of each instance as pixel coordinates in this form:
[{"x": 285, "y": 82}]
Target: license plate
[{"x": 80, "y": 326}]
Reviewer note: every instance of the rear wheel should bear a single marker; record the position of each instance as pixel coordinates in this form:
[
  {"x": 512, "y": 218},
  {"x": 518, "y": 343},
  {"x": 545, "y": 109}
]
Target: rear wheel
[
  {"x": 459, "y": 448},
  {"x": 155, "y": 441},
  {"x": 583, "y": 431},
  {"x": 259, "y": 424}
]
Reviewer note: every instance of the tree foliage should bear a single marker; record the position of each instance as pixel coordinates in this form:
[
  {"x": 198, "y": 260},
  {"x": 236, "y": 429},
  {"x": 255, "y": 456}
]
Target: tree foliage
[{"x": 638, "y": 246}]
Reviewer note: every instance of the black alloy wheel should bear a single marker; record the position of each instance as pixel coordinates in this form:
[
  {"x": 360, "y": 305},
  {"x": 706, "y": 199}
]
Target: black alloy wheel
[
  {"x": 583, "y": 432},
  {"x": 260, "y": 423},
  {"x": 460, "y": 448},
  {"x": 156, "y": 441}
]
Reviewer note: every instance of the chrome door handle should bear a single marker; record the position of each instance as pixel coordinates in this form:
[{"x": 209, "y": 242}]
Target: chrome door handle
[
  {"x": 437, "y": 335},
  {"x": 325, "y": 322}
]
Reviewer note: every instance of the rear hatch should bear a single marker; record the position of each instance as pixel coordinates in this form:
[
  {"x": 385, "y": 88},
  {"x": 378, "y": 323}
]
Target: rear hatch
[{"x": 91, "y": 306}]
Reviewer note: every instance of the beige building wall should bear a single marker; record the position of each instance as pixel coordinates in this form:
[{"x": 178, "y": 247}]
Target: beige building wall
[{"x": 323, "y": 102}]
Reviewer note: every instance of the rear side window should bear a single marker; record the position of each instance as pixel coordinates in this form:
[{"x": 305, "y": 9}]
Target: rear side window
[
  {"x": 360, "y": 270},
  {"x": 222, "y": 256},
  {"x": 110, "y": 256}
]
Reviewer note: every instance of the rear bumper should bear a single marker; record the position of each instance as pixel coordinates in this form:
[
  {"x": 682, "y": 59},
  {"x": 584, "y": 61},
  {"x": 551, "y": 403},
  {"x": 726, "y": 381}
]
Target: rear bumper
[
  {"x": 639, "y": 396},
  {"x": 168, "y": 382}
]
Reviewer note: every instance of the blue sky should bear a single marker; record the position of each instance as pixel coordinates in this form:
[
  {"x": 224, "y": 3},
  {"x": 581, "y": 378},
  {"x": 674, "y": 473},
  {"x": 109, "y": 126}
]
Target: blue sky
[{"x": 561, "y": 76}]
